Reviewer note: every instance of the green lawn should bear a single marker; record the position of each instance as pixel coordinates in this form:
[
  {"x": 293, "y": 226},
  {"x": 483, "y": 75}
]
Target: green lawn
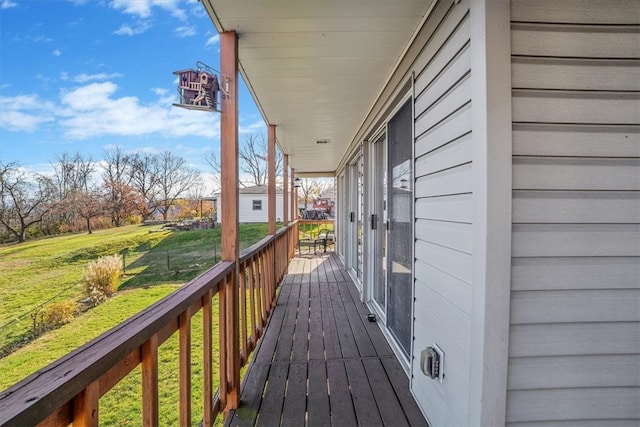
[
  {"x": 37, "y": 270},
  {"x": 51, "y": 270}
]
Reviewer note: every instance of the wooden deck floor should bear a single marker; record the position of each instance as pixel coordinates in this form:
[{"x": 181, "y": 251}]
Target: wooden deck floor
[{"x": 320, "y": 362}]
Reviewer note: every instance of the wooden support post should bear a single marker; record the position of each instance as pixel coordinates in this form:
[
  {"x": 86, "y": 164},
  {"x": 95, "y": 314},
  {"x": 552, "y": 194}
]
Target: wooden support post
[
  {"x": 85, "y": 406},
  {"x": 294, "y": 194},
  {"x": 229, "y": 194},
  {"x": 285, "y": 190},
  {"x": 150, "y": 382},
  {"x": 271, "y": 176}
]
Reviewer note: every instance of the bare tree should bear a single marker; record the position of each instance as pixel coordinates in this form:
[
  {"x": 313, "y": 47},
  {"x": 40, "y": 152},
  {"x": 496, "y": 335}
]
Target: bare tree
[
  {"x": 253, "y": 159},
  {"x": 311, "y": 189},
  {"x": 24, "y": 199},
  {"x": 175, "y": 179},
  {"x": 214, "y": 162},
  {"x": 72, "y": 172},
  {"x": 253, "y": 155},
  {"x": 145, "y": 171},
  {"x": 89, "y": 205},
  {"x": 72, "y": 175},
  {"x": 121, "y": 200}
]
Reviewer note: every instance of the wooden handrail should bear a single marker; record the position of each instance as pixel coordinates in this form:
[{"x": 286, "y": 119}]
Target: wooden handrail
[{"x": 69, "y": 389}]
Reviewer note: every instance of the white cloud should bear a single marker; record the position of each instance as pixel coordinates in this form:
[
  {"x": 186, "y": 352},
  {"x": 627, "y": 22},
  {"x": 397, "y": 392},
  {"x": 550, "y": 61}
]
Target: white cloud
[
  {"x": 8, "y": 4},
  {"x": 258, "y": 126},
  {"x": 213, "y": 40},
  {"x": 25, "y": 113},
  {"x": 39, "y": 39},
  {"x": 94, "y": 110},
  {"x": 160, "y": 91},
  {"x": 56, "y": 52},
  {"x": 83, "y": 78},
  {"x": 143, "y": 8},
  {"x": 185, "y": 31},
  {"x": 128, "y": 30}
]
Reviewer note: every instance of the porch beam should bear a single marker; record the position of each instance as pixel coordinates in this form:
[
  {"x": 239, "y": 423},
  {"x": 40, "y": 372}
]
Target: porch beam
[
  {"x": 229, "y": 189},
  {"x": 285, "y": 190},
  {"x": 271, "y": 176}
]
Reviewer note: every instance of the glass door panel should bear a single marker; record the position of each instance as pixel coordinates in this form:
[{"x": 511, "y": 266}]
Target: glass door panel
[
  {"x": 400, "y": 226},
  {"x": 378, "y": 224}
]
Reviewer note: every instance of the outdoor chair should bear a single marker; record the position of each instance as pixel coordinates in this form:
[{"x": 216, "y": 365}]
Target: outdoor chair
[{"x": 327, "y": 236}]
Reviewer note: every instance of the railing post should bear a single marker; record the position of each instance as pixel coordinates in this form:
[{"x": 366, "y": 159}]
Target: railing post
[
  {"x": 185, "y": 367},
  {"x": 229, "y": 194},
  {"x": 271, "y": 175},
  {"x": 85, "y": 406},
  {"x": 150, "y": 382}
]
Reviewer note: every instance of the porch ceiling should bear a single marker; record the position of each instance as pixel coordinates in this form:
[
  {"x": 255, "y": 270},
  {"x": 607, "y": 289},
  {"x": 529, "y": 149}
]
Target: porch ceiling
[{"x": 316, "y": 67}]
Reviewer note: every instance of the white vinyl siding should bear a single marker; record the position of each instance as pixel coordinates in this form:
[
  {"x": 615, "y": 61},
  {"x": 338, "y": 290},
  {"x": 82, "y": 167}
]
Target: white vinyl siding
[
  {"x": 443, "y": 211},
  {"x": 574, "y": 344}
]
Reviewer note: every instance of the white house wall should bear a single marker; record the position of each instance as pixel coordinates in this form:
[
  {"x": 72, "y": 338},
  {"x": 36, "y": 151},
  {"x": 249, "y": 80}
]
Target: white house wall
[
  {"x": 246, "y": 213},
  {"x": 574, "y": 344},
  {"x": 443, "y": 211}
]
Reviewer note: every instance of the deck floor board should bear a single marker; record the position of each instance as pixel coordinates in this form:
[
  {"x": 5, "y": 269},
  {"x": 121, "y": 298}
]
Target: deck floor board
[{"x": 320, "y": 362}]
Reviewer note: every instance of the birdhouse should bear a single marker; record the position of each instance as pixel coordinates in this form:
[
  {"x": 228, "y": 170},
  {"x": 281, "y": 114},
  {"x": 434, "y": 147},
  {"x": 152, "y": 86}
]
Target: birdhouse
[{"x": 198, "y": 89}]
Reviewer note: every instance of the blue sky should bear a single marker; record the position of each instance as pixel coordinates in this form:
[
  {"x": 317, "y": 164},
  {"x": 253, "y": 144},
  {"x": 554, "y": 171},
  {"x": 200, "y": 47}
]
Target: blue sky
[{"x": 86, "y": 75}]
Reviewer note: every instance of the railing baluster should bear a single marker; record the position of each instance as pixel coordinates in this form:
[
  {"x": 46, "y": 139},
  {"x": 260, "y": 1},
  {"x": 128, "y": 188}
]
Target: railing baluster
[
  {"x": 232, "y": 337},
  {"x": 252, "y": 302},
  {"x": 207, "y": 357},
  {"x": 185, "y": 367},
  {"x": 243, "y": 314},
  {"x": 150, "y": 382},
  {"x": 265, "y": 286},
  {"x": 259, "y": 288},
  {"x": 222, "y": 342},
  {"x": 85, "y": 406}
]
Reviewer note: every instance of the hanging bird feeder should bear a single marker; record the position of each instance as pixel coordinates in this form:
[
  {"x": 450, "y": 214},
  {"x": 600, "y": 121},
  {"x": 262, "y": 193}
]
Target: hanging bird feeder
[{"x": 198, "y": 89}]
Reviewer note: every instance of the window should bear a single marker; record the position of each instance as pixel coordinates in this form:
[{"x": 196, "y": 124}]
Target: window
[{"x": 257, "y": 205}]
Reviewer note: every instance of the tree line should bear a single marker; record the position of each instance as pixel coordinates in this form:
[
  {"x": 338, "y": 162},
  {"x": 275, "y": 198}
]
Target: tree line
[{"x": 83, "y": 191}]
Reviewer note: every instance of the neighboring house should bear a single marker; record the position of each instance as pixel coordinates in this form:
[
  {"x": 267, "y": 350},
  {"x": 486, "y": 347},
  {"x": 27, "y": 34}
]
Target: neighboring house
[
  {"x": 488, "y": 187},
  {"x": 252, "y": 204}
]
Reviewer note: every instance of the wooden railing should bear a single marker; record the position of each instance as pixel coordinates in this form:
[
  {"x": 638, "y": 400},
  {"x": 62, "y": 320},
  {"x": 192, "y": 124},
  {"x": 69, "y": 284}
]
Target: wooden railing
[
  {"x": 69, "y": 390},
  {"x": 309, "y": 228}
]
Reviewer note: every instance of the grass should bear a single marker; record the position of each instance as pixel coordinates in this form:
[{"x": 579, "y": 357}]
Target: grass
[
  {"x": 52, "y": 269},
  {"x": 44, "y": 267}
]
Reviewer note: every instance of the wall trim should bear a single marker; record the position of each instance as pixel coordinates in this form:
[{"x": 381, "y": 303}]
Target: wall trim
[{"x": 491, "y": 133}]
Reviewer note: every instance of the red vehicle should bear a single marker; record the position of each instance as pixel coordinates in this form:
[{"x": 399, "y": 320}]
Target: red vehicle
[{"x": 323, "y": 204}]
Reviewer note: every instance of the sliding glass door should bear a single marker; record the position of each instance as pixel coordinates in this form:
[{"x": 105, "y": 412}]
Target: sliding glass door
[{"x": 400, "y": 226}]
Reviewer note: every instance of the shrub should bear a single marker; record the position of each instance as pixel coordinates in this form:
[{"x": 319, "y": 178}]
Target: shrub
[
  {"x": 59, "y": 313},
  {"x": 102, "y": 278}
]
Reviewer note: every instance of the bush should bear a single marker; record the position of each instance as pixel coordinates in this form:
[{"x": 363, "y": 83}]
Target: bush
[
  {"x": 59, "y": 313},
  {"x": 102, "y": 278}
]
